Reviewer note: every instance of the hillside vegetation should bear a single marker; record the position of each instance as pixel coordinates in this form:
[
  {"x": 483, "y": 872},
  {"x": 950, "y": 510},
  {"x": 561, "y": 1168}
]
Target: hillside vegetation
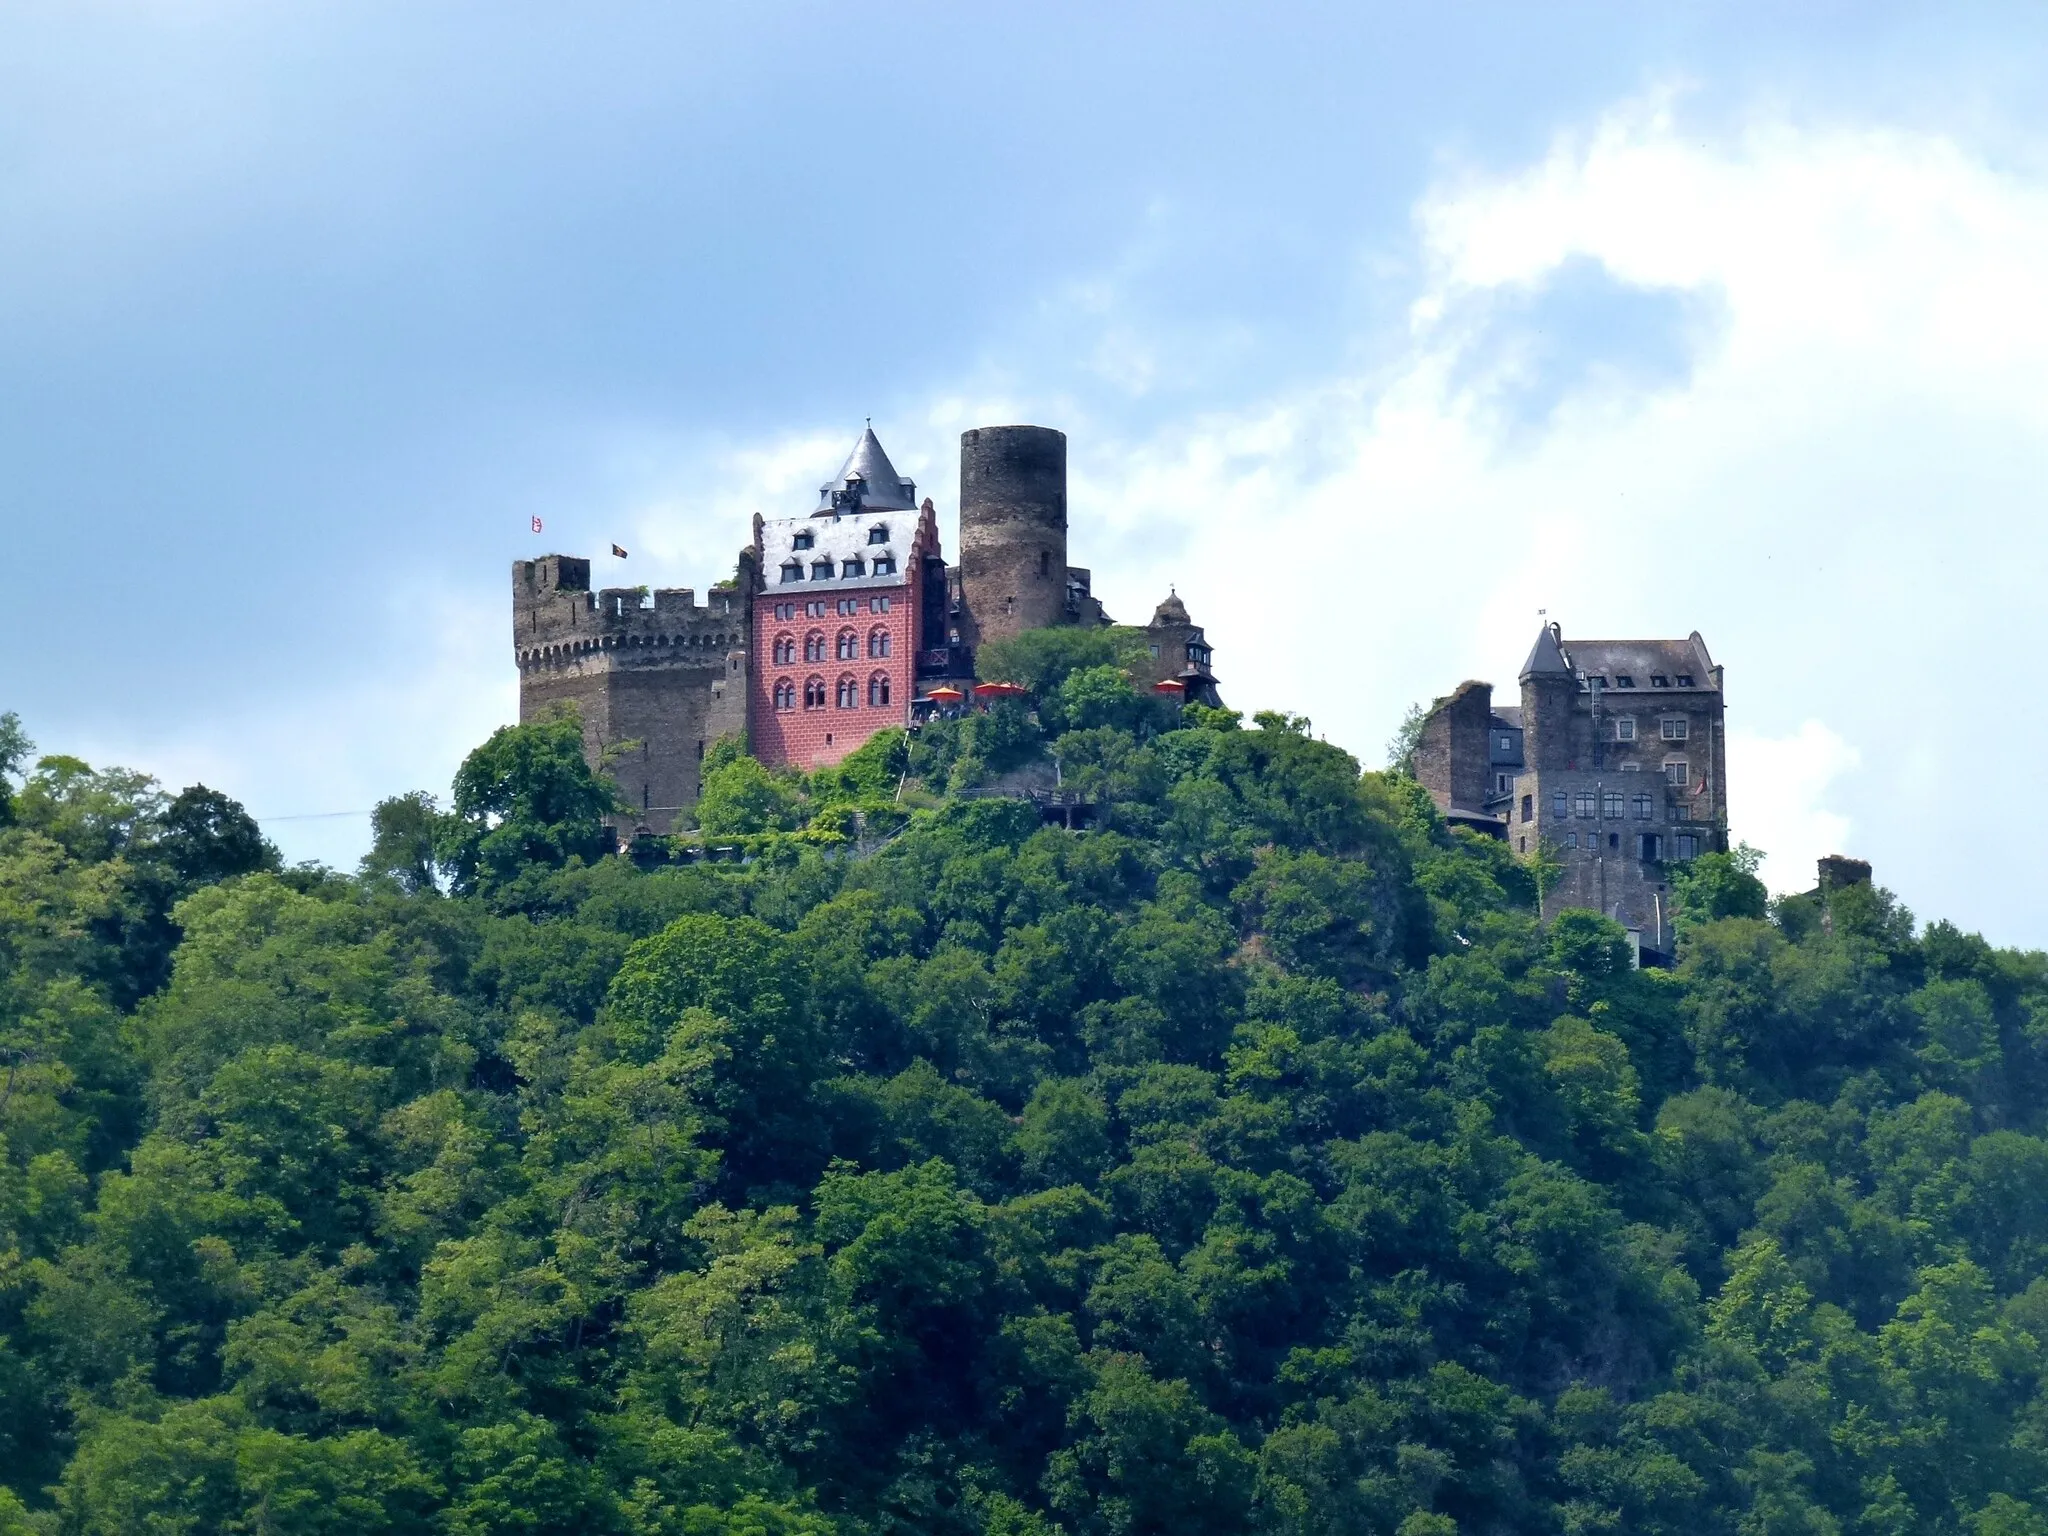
[{"x": 1252, "y": 1162}]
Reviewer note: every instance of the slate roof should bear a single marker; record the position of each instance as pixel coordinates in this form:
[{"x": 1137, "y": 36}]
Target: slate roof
[
  {"x": 837, "y": 539},
  {"x": 883, "y": 490},
  {"x": 1545, "y": 655},
  {"x": 1639, "y": 660},
  {"x": 1643, "y": 660}
]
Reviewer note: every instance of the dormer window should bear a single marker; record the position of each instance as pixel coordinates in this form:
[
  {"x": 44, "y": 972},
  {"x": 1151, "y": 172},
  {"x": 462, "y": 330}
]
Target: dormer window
[
  {"x": 1659, "y": 680},
  {"x": 821, "y": 570},
  {"x": 792, "y": 570},
  {"x": 879, "y": 534},
  {"x": 1685, "y": 679},
  {"x": 885, "y": 565},
  {"x": 1623, "y": 680},
  {"x": 803, "y": 540},
  {"x": 853, "y": 567}
]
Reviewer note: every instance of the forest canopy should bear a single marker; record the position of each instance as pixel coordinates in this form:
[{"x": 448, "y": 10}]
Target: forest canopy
[{"x": 1250, "y": 1161}]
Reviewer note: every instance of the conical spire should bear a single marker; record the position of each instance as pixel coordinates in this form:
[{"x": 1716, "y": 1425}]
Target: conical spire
[
  {"x": 1547, "y": 655},
  {"x": 881, "y": 488}
]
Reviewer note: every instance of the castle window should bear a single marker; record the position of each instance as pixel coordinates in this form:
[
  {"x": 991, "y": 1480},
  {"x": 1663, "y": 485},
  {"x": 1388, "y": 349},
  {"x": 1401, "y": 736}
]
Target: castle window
[
  {"x": 821, "y": 570},
  {"x": 885, "y": 565},
  {"x": 1045, "y": 562},
  {"x": 1631, "y": 767},
  {"x": 1502, "y": 783},
  {"x": 785, "y": 693},
  {"x": 1685, "y": 845},
  {"x": 1677, "y": 772},
  {"x": 1610, "y": 805},
  {"x": 849, "y": 645},
  {"x": 854, "y": 567},
  {"x": 1685, "y": 679},
  {"x": 1528, "y": 806},
  {"x": 879, "y": 534},
  {"x": 1571, "y": 839},
  {"x": 1674, "y": 727},
  {"x": 848, "y": 605},
  {"x": 1623, "y": 680},
  {"x": 1646, "y": 847},
  {"x": 1614, "y": 839},
  {"x": 1659, "y": 680},
  {"x": 1584, "y": 804},
  {"x": 802, "y": 541},
  {"x": 792, "y": 571},
  {"x": 1624, "y": 727},
  {"x": 1557, "y": 804},
  {"x": 849, "y": 693},
  {"x": 1155, "y": 649},
  {"x": 814, "y": 646},
  {"x": 878, "y": 643},
  {"x": 1521, "y": 845},
  {"x": 814, "y": 610},
  {"x": 814, "y": 693},
  {"x": 1640, "y": 804},
  {"x": 785, "y": 611},
  {"x": 878, "y": 605},
  {"x": 785, "y": 650},
  {"x": 878, "y": 690}
]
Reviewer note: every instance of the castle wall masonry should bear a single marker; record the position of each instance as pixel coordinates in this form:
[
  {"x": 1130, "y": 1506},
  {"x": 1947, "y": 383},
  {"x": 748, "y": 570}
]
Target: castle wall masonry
[{"x": 835, "y": 626}]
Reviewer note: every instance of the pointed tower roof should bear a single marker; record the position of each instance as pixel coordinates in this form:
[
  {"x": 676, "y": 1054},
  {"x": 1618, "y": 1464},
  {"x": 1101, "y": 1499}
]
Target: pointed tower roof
[
  {"x": 1547, "y": 655},
  {"x": 1172, "y": 611},
  {"x": 882, "y": 489}
]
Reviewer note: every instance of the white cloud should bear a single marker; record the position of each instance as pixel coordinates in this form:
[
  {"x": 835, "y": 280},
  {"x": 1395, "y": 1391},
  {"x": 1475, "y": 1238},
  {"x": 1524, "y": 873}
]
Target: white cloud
[
  {"x": 1779, "y": 789},
  {"x": 1835, "y": 476},
  {"x": 310, "y": 770},
  {"x": 1776, "y": 382}
]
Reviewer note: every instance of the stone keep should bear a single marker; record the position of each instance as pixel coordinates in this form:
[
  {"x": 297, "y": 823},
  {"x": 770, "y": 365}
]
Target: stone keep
[
  {"x": 1614, "y": 768},
  {"x": 655, "y": 677}
]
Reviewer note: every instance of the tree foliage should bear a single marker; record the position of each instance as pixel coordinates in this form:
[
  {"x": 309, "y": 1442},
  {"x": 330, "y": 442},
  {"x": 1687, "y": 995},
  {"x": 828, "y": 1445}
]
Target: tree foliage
[{"x": 1253, "y": 1161}]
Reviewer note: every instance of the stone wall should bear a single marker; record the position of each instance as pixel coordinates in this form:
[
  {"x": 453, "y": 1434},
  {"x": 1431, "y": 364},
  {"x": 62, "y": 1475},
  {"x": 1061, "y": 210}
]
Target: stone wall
[
  {"x": 1451, "y": 759},
  {"x": 654, "y": 673},
  {"x": 1013, "y": 531}
]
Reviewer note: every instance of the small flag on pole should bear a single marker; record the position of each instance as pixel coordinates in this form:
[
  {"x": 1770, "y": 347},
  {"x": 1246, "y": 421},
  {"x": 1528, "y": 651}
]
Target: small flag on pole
[
  {"x": 618, "y": 551},
  {"x": 536, "y": 525}
]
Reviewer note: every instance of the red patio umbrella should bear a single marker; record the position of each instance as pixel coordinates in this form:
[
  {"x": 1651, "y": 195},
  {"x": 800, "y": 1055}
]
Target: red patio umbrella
[
  {"x": 1170, "y": 685},
  {"x": 944, "y": 695},
  {"x": 999, "y": 690}
]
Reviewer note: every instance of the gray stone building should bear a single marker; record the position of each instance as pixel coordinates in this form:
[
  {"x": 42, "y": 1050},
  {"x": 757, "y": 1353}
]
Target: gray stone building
[
  {"x": 1612, "y": 768},
  {"x": 655, "y": 676}
]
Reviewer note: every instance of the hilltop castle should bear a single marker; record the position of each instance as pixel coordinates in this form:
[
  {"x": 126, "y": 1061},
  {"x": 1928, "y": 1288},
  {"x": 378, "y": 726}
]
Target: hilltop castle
[
  {"x": 1613, "y": 766},
  {"x": 836, "y": 624}
]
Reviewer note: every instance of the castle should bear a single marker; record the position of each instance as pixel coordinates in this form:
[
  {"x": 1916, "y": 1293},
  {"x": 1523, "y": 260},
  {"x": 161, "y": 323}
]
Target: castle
[
  {"x": 835, "y": 625},
  {"x": 1612, "y": 767}
]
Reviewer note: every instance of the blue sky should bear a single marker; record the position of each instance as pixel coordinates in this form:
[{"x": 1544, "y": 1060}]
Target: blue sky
[{"x": 1373, "y": 329}]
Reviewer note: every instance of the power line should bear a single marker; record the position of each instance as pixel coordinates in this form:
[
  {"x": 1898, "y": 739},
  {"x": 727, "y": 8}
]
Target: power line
[{"x": 315, "y": 816}]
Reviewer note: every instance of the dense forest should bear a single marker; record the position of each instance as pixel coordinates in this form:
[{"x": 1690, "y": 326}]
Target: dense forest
[{"x": 880, "y": 1159}]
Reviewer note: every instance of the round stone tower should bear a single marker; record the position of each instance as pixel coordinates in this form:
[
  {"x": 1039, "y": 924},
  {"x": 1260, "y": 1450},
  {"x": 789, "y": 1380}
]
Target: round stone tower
[{"x": 1013, "y": 531}]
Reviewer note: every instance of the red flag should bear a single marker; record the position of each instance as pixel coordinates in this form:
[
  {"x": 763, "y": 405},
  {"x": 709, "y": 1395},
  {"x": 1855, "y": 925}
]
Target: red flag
[
  {"x": 536, "y": 525},
  {"x": 618, "y": 551}
]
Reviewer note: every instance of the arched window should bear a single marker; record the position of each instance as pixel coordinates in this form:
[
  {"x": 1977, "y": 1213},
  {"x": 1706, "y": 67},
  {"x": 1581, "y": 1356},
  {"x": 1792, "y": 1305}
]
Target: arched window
[
  {"x": 785, "y": 693},
  {"x": 814, "y": 646},
  {"x": 878, "y": 643},
  {"x": 878, "y": 690},
  {"x": 785, "y": 650},
  {"x": 814, "y": 693},
  {"x": 849, "y": 645},
  {"x": 849, "y": 693}
]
